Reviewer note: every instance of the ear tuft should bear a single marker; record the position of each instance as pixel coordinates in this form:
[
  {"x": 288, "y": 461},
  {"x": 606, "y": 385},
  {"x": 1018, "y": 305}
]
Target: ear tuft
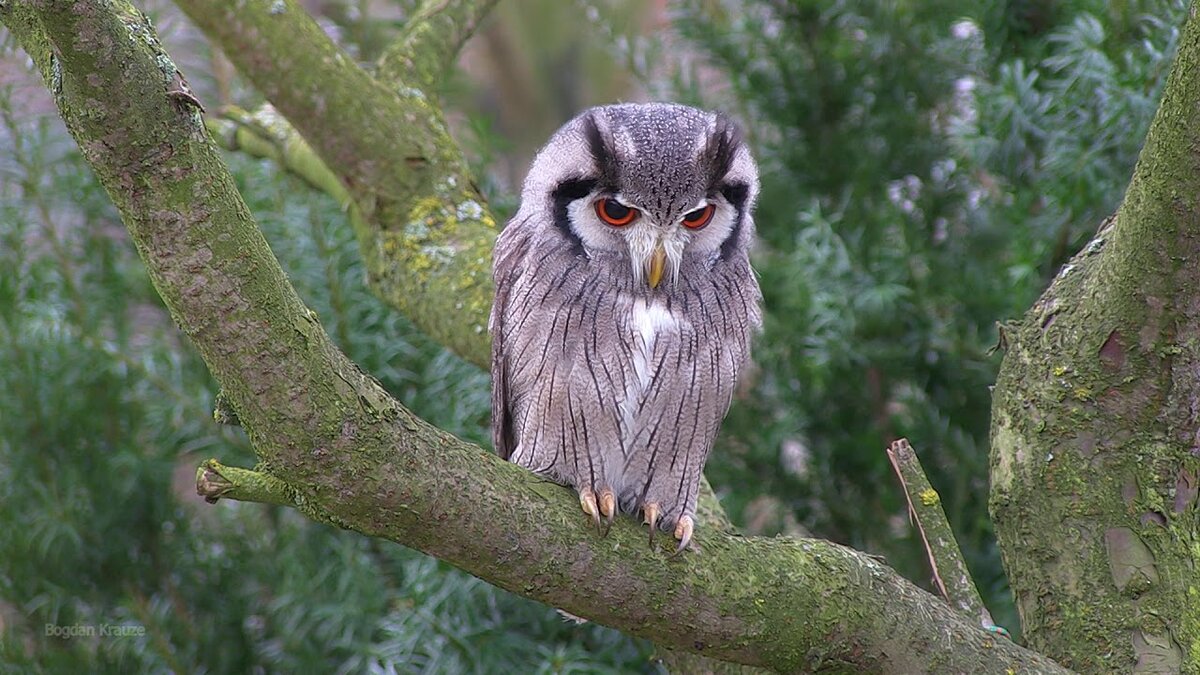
[
  {"x": 724, "y": 139},
  {"x": 600, "y": 145}
]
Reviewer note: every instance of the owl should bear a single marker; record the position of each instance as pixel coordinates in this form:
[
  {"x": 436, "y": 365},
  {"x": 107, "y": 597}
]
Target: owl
[{"x": 625, "y": 306}]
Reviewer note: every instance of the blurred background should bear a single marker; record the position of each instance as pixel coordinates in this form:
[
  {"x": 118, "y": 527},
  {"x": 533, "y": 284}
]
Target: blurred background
[{"x": 927, "y": 167}]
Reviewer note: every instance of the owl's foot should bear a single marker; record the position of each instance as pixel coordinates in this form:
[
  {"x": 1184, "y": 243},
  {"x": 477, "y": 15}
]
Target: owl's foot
[
  {"x": 651, "y": 512},
  {"x": 608, "y": 508},
  {"x": 683, "y": 532},
  {"x": 602, "y": 510},
  {"x": 587, "y": 500}
]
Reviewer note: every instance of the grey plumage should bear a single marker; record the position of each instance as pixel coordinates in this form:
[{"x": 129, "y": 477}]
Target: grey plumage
[{"x": 617, "y": 348}]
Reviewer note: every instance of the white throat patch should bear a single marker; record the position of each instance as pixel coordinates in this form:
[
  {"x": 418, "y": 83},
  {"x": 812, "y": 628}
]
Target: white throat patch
[{"x": 649, "y": 321}]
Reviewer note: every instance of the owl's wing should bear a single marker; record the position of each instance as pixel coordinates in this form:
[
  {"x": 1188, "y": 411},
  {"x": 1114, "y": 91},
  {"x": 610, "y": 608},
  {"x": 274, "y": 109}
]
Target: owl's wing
[{"x": 506, "y": 260}]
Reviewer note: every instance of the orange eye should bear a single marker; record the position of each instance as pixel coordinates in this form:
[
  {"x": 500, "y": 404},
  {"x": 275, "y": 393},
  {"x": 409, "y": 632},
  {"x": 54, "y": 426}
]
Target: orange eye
[
  {"x": 699, "y": 218},
  {"x": 614, "y": 212}
]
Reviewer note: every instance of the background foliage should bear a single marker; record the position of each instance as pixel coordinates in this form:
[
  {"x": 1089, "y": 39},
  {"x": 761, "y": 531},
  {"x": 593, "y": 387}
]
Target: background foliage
[{"x": 927, "y": 167}]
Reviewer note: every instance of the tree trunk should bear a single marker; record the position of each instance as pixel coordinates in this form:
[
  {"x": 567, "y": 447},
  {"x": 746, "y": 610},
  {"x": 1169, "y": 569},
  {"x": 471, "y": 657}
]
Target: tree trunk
[{"x": 1095, "y": 421}]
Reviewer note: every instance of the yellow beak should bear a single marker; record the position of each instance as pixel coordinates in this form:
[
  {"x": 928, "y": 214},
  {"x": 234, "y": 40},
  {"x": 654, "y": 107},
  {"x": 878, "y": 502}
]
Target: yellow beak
[{"x": 654, "y": 269}]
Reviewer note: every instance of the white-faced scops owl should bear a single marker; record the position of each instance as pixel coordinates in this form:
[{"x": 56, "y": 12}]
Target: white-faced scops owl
[{"x": 625, "y": 306}]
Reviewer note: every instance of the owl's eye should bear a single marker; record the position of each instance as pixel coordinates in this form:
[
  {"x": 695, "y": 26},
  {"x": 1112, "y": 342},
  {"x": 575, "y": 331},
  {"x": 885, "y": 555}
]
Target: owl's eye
[
  {"x": 699, "y": 218},
  {"x": 614, "y": 212}
]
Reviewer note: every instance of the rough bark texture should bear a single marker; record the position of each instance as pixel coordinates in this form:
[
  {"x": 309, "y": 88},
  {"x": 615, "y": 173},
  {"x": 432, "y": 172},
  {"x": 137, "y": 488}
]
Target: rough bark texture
[
  {"x": 1095, "y": 422},
  {"x": 431, "y": 42},
  {"x": 338, "y": 448}
]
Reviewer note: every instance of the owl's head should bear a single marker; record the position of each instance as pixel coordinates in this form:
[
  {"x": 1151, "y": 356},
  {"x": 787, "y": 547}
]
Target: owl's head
[{"x": 654, "y": 183}]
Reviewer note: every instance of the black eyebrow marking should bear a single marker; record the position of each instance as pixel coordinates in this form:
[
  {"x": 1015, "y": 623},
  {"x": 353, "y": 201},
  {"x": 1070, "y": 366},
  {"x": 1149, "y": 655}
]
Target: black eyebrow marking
[
  {"x": 563, "y": 194},
  {"x": 736, "y": 194}
]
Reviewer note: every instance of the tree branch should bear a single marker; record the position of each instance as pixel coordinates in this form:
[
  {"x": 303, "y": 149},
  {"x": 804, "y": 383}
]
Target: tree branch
[
  {"x": 215, "y": 480},
  {"x": 265, "y": 134},
  {"x": 950, "y": 573},
  {"x": 432, "y": 38},
  {"x": 356, "y": 458}
]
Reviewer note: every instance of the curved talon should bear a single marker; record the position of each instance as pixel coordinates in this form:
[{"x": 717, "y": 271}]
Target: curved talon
[
  {"x": 587, "y": 499},
  {"x": 683, "y": 532},
  {"x": 651, "y": 512},
  {"x": 608, "y": 509}
]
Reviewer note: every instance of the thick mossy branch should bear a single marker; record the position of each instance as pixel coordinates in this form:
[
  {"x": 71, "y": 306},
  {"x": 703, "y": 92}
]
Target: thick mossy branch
[
  {"x": 1095, "y": 422},
  {"x": 426, "y": 234},
  {"x": 356, "y": 458},
  {"x": 950, "y": 574}
]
